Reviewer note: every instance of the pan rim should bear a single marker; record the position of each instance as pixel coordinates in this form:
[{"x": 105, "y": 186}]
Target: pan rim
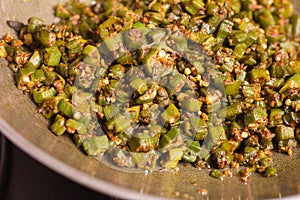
[
  {"x": 83, "y": 179},
  {"x": 68, "y": 171}
]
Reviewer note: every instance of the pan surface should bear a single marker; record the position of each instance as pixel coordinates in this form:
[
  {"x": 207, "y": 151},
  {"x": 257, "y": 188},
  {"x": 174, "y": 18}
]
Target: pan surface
[{"x": 29, "y": 131}]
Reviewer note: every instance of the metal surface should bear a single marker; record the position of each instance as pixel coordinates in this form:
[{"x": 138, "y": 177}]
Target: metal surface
[
  {"x": 29, "y": 131},
  {"x": 4, "y": 165}
]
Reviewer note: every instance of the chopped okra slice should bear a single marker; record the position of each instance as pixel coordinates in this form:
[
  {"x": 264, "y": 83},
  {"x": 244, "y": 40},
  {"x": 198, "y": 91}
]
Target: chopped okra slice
[
  {"x": 133, "y": 112},
  {"x": 291, "y": 83},
  {"x": 47, "y": 38},
  {"x": 139, "y": 85},
  {"x": 95, "y": 145},
  {"x": 230, "y": 146},
  {"x": 22, "y": 78},
  {"x": 66, "y": 108},
  {"x": 232, "y": 88},
  {"x": 230, "y": 111},
  {"x": 275, "y": 117},
  {"x": 144, "y": 141},
  {"x": 34, "y": 23},
  {"x": 107, "y": 26},
  {"x": 199, "y": 127},
  {"x": 122, "y": 158},
  {"x": 221, "y": 158},
  {"x": 91, "y": 55},
  {"x": 191, "y": 153},
  {"x": 259, "y": 74},
  {"x": 193, "y": 6},
  {"x": 171, "y": 114},
  {"x": 52, "y": 56},
  {"x": 173, "y": 156},
  {"x": 62, "y": 12},
  {"x": 191, "y": 104},
  {"x": 118, "y": 71},
  {"x": 58, "y": 126},
  {"x": 224, "y": 30},
  {"x": 38, "y": 75},
  {"x": 271, "y": 171},
  {"x": 134, "y": 38},
  {"x": 110, "y": 111},
  {"x": 275, "y": 33},
  {"x": 239, "y": 50},
  {"x": 284, "y": 132},
  {"x": 3, "y": 52},
  {"x": 176, "y": 83},
  {"x": 146, "y": 161},
  {"x": 114, "y": 43},
  {"x": 35, "y": 60},
  {"x": 43, "y": 93},
  {"x": 180, "y": 42},
  {"x": 149, "y": 95},
  {"x": 72, "y": 126},
  {"x": 287, "y": 145},
  {"x": 216, "y": 173},
  {"x": 255, "y": 115},
  {"x": 169, "y": 137},
  {"x": 121, "y": 123}
]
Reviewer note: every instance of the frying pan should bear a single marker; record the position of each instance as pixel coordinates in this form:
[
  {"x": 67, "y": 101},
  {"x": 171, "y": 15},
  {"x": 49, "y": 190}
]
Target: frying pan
[{"x": 29, "y": 131}]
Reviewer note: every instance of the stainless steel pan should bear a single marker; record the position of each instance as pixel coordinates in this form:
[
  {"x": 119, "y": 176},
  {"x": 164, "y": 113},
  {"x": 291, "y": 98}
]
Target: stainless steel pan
[{"x": 28, "y": 130}]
